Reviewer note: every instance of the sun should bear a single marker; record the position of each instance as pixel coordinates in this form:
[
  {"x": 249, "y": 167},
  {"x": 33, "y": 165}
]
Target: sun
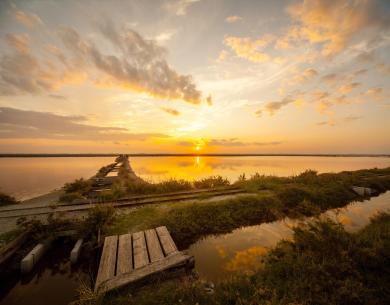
[{"x": 197, "y": 148}]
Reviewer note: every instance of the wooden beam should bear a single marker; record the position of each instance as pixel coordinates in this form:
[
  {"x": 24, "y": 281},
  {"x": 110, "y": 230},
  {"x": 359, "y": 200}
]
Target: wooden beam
[
  {"x": 166, "y": 240},
  {"x": 176, "y": 260},
  {"x": 125, "y": 255},
  {"x": 107, "y": 260},
  {"x": 153, "y": 244},
  {"x": 139, "y": 250}
]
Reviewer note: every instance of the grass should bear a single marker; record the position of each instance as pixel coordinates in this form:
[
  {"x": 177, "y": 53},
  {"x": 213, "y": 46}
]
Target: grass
[
  {"x": 273, "y": 198},
  {"x": 77, "y": 189},
  {"x": 322, "y": 264}
]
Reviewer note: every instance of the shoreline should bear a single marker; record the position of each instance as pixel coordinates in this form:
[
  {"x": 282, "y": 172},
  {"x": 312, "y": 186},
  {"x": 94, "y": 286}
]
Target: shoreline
[{"x": 11, "y": 155}]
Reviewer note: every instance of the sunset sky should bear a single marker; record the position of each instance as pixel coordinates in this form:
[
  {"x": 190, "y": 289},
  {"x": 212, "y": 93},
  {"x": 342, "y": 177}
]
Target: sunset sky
[{"x": 188, "y": 76}]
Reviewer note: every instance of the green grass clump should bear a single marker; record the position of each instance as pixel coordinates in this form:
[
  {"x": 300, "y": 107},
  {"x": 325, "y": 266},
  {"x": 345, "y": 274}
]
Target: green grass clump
[
  {"x": 77, "y": 189},
  {"x": 210, "y": 182},
  {"x": 188, "y": 223}
]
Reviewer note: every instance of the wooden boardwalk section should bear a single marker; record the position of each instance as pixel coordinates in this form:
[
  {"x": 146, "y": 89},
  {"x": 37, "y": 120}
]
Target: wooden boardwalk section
[{"x": 129, "y": 258}]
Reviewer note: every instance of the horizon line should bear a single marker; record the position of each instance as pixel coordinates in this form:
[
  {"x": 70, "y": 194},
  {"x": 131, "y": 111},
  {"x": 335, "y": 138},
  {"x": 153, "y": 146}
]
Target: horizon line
[{"x": 21, "y": 155}]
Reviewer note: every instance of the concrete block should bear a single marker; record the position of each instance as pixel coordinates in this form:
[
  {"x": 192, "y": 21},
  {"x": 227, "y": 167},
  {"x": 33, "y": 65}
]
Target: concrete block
[{"x": 74, "y": 254}]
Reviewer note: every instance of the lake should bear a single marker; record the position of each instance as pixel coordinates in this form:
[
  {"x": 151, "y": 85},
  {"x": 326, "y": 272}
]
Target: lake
[{"x": 25, "y": 178}]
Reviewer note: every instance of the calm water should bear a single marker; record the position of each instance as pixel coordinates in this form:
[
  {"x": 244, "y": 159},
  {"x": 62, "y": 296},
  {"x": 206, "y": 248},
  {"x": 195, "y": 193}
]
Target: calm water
[
  {"x": 29, "y": 177},
  {"x": 53, "y": 281},
  {"x": 217, "y": 257}
]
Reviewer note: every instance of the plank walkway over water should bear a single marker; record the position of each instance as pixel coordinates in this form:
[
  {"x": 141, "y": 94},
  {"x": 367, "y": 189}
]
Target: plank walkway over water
[{"x": 129, "y": 258}]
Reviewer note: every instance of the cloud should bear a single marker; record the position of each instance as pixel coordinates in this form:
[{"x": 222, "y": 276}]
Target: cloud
[
  {"x": 323, "y": 123},
  {"x": 233, "y": 19},
  {"x": 330, "y": 78},
  {"x": 23, "y": 124},
  {"x": 165, "y": 36},
  {"x": 235, "y": 142},
  {"x": 352, "y": 118},
  {"x": 274, "y": 106},
  {"x": 20, "y": 42},
  {"x": 232, "y": 142},
  {"x": 304, "y": 76},
  {"x": 135, "y": 64},
  {"x": 383, "y": 68},
  {"x": 345, "y": 89},
  {"x": 334, "y": 24},
  {"x": 250, "y": 49},
  {"x": 179, "y": 7},
  {"x": 58, "y": 96},
  {"x": 376, "y": 93},
  {"x": 29, "y": 20},
  {"x": 170, "y": 111},
  {"x": 140, "y": 67},
  {"x": 23, "y": 73}
]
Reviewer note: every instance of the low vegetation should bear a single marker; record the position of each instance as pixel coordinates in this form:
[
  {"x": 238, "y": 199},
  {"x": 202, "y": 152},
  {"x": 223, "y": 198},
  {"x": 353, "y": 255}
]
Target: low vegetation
[
  {"x": 7, "y": 199},
  {"x": 322, "y": 264},
  {"x": 77, "y": 189}
]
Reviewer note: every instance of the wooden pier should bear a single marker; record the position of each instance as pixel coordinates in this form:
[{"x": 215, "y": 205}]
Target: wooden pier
[{"x": 129, "y": 258}]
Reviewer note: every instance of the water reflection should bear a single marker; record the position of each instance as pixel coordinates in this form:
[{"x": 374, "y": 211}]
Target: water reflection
[
  {"x": 53, "y": 281},
  {"x": 41, "y": 175},
  {"x": 219, "y": 256}
]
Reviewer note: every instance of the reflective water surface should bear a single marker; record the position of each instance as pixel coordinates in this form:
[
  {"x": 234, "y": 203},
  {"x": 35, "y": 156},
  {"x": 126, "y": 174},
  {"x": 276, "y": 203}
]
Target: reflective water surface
[
  {"x": 53, "y": 281},
  {"x": 217, "y": 257},
  {"x": 29, "y": 177}
]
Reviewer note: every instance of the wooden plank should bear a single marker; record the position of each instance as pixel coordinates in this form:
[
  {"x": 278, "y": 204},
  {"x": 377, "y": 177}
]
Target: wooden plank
[
  {"x": 125, "y": 256},
  {"x": 176, "y": 260},
  {"x": 139, "y": 250},
  {"x": 153, "y": 244},
  {"x": 166, "y": 240},
  {"x": 107, "y": 260}
]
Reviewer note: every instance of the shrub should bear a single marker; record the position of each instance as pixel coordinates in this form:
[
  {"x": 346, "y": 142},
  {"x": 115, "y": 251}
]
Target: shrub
[
  {"x": 213, "y": 181},
  {"x": 7, "y": 199},
  {"x": 97, "y": 221},
  {"x": 81, "y": 186},
  {"x": 69, "y": 197}
]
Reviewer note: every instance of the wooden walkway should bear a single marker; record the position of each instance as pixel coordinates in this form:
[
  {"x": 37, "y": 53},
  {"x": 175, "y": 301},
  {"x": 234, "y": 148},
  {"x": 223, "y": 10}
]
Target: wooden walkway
[{"x": 129, "y": 258}]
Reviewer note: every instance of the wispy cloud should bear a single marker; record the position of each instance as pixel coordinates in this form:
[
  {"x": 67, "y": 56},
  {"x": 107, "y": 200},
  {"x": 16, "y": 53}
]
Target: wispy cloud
[
  {"x": 29, "y": 20},
  {"x": 23, "y": 124},
  {"x": 170, "y": 111},
  {"x": 250, "y": 49},
  {"x": 233, "y": 19},
  {"x": 179, "y": 7}
]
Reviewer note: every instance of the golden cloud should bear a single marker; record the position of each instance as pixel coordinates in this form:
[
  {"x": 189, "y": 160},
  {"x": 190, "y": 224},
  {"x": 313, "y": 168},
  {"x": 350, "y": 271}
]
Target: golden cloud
[{"x": 248, "y": 48}]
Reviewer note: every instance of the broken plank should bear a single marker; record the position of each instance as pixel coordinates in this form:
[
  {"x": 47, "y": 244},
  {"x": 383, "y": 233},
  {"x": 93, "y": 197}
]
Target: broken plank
[
  {"x": 166, "y": 240},
  {"x": 107, "y": 260},
  {"x": 125, "y": 256},
  {"x": 154, "y": 248},
  {"x": 177, "y": 260},
  {"x": 139, "y": 250}
]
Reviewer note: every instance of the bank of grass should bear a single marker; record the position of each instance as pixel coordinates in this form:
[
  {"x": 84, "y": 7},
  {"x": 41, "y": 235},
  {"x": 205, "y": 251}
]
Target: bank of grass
[
  {"x": 322, "y": 264},
  {"x": 125, "y": 186}
]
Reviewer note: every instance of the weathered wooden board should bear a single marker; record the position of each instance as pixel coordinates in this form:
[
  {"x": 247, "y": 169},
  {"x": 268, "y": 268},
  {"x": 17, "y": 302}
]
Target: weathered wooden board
[
  {"x": 154, "y": 247},
  {"x": 175, "y": 260},
  {"x": 125, "y": 256},
  {"x": 166, "y": 240},
  {"x": 107, "y": 260},
  {"x": 139, "y": 250}
]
